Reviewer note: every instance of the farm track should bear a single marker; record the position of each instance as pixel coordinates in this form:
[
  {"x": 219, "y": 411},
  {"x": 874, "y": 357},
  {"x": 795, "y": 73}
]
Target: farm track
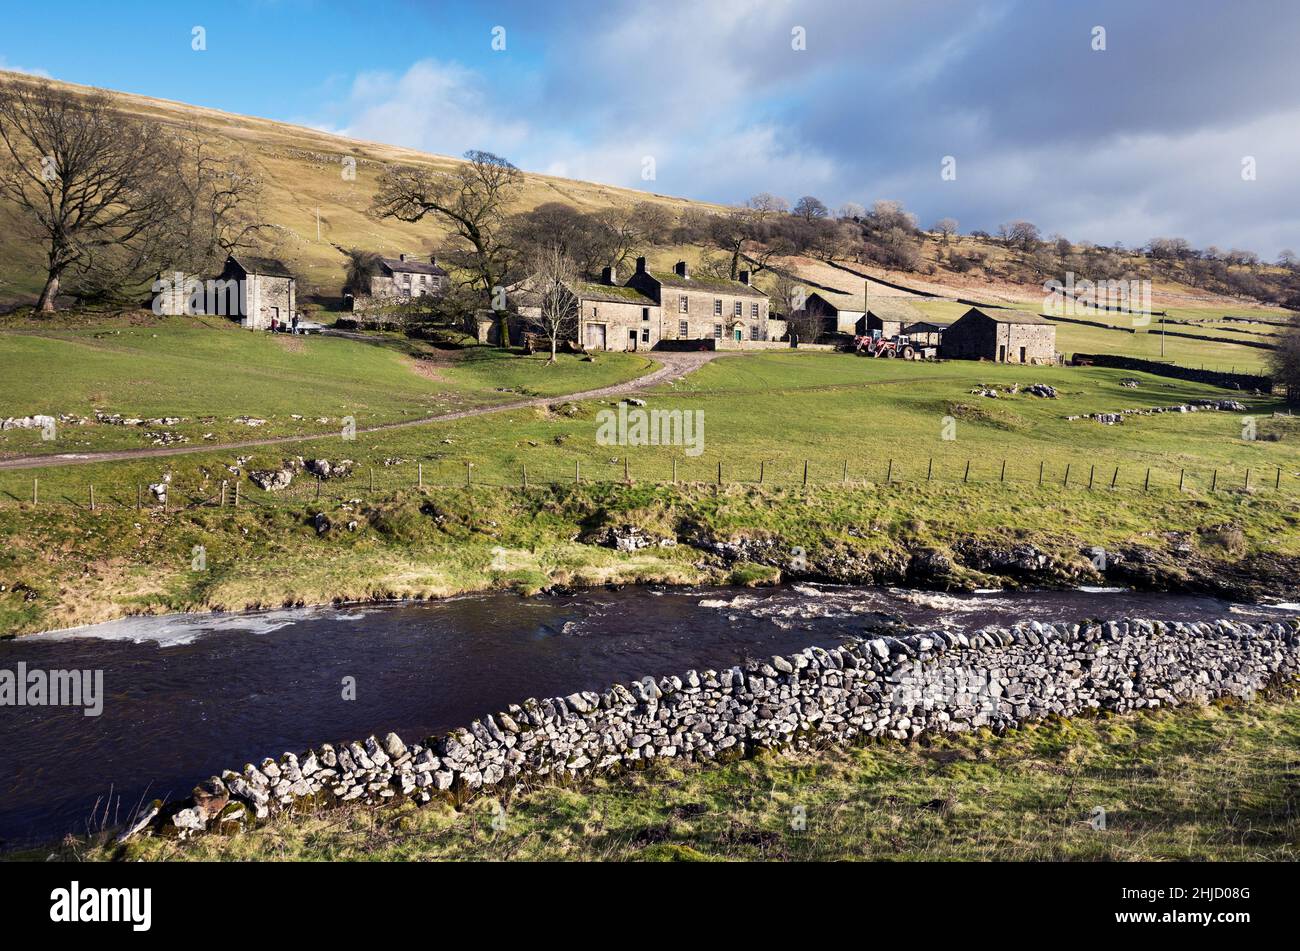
[{"x": 675, "y": 366}]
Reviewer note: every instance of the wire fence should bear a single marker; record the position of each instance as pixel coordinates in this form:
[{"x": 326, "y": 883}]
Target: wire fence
[{"x": 387, "y": 483}]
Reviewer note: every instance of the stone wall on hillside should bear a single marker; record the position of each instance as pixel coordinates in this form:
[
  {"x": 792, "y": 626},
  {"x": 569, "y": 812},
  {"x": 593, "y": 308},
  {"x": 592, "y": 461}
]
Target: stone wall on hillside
[
  {"x": 1232, "y": 381},
  {"x": 896, "y": 688}
]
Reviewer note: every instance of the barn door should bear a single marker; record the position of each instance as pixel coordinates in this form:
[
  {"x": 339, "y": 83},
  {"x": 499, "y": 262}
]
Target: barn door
[{"x": 595, "y": 336}]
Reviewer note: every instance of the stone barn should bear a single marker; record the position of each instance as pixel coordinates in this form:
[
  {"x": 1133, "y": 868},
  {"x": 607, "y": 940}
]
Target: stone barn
[
  {"x": 269, "y": 290},
  {"x": 838, "y": 312},
  {"x": 616, "y": 317},
  {"x": 928, "y": 333},
  {"x": 1004, "y": 336}
]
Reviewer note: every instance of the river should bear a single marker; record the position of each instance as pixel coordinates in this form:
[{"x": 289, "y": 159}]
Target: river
[{"x": 188, "y": 695}]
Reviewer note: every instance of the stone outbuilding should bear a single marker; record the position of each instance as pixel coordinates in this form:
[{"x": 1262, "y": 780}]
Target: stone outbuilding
[
  {"x": 928, "y": 333},
  {"x": 1004, "y": 336},
  {"x": 838, "y": 312},
  {"x": 616, "y": 317},
  {"x": 269, "y": 290},
  {"x": 888, "y": 315}
]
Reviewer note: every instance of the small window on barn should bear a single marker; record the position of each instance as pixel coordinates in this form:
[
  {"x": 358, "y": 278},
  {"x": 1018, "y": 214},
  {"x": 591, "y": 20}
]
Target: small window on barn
[
  {"x": 645, "y": 334},
  {"x": 645, "y": 313},
  {"x": 717, "y": 306},
  {"x": 682, "y": 304},
  {"x": 683, "y": 328},
  {"x": 593, "y": 310},
  {"x": 717, "y": 331}
]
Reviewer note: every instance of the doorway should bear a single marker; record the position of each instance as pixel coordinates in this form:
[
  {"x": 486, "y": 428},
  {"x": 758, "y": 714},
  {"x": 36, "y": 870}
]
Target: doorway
[
  {"x": 631, "y": 339},
  {"x": 595, "y": 336}
]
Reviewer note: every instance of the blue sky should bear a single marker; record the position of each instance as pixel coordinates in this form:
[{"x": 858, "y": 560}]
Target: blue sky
[{"x": 1143, "y": 138}]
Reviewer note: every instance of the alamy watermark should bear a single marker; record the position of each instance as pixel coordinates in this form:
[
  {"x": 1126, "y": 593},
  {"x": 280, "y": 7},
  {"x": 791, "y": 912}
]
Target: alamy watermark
[
  {"x": 632, "y": 426},
  {"x": 1077, "y": 296},
  {"x": 53, "y": 688}
]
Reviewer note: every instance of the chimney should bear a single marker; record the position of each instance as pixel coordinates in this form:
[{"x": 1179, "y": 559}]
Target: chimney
[
  {"x": 744, "y": 278},
  {"x": 609, "y": 276},
  {"x": 682, "y": 270},
  {"x": 401, "y": 257},
  {"x": 433, "y": 259},
  {"x": 640, "y": 265}
]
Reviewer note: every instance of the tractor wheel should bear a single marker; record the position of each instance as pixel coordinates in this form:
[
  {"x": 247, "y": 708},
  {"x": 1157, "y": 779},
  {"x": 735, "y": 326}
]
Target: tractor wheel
[
  {"x": 890, "y": 354},
  {"x": 909, "y": 354}
]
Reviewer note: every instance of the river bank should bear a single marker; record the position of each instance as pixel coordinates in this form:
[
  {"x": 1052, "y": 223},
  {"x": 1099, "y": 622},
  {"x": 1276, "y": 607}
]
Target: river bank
[
  {"x": 187, "y": 694},
  {"x": 70, "y": 567}
]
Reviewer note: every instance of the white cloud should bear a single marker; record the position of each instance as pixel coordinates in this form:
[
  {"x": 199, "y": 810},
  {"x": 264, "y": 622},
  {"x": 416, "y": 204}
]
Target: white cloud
[{"x": 29, "y": 70}]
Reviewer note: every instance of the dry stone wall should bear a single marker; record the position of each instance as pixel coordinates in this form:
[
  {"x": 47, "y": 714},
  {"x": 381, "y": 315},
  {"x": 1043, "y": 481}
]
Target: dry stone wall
[{"x": 886, "y": 687}]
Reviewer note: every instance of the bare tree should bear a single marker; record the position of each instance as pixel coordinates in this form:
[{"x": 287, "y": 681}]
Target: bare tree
[
  {"x": 946, "y": 227},
  {"x": 472, "y": 200},
  {"x": 810, "y": 209},
  {"x": 764, "y": 205},
  {"x": 1285, "y": 363},
  {"x": 86, "y": 178},
  {"x": 553, "y": 277}
]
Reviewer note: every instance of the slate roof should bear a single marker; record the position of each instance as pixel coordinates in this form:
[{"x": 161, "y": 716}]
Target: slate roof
[
  {"x": 612, "y": 293},
  {"x": 413, "y": 267},
  {"x": 705, "y": 284},
  {"x": 266, "y": 267},
  {"x": 1010, "y": 316}
]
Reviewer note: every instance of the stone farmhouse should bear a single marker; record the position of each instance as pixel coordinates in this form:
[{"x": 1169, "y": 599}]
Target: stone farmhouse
[
  {"x": 270, "y": 290},
  {"x": 706, "y": 310},
  {"x": 401, "y": 280},
  {"x": 616, "y": 317},
  {"x": 1005, "y": 336}
]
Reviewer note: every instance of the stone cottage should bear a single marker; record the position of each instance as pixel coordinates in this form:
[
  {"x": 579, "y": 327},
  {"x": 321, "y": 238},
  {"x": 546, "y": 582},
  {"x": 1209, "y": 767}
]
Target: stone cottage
[
  {"x": 699, "y": 309},
  {"x": 401, "y": 280},
  {"x": 269, "y": 290},
  {"x": 1006, "y": 336}
]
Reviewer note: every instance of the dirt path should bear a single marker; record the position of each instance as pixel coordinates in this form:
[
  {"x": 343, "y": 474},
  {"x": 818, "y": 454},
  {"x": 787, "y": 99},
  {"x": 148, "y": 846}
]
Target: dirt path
[{"x": 675, "y": 366}]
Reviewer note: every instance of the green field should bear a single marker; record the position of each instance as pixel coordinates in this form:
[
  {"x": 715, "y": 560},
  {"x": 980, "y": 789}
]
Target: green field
[
  {"x": 881, "y": 477},
  {"x": 208, "y": 371},
  {"x": 1204, "y": 783}
]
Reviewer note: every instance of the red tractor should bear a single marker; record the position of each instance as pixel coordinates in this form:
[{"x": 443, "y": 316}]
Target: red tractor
[{"x": 877, "y": 345}]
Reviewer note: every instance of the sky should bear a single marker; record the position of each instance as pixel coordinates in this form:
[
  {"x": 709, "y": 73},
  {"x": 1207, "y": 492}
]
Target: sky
[{"x": 1103, "y": 120}]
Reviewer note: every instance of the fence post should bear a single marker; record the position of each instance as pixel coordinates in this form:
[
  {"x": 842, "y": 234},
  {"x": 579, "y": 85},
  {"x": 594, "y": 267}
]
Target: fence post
[
  {"x": 1181, "y": 473},
  {"x": 524, "y": 471},
  {"x": 844, "y": 479},
  {"x": 1146, "y": 483},
  {"x": 762, "y": 470},
  {"x": 1114, "y": 478},
  {"x": 137, "y": 495},
  {"x": 929, "y": 469},
  {"x": 1214, "y": 480},
  {"x": 469, "y": 474},
  {"x": 236, "y": 495},
  {"x": 577, "y": 472},
  {"x": 674, "y": 470},
  {"x": 1277, "y": 483},
  {"x": 889, "y": 472},
  {"x": 719, "y": 472},
  {"x": 1040, "y": 472},
  {"x": 1066, "y": 480},
  {"x": 36, "y": 491},
  {"x": 1092, "y": 469},
  {"x": 223, "y": 493},
  {"x": 372, "y": 480},
  {"x": 92, "y": 491},
  {"x": 626, "y": 476},
  {"x": 1003, "y": 477},
  {"x": 966, "y": 475},
  {"x": 1247, "y": 486},
  {"x": 419, "y": 475},
  {"x": 805, "y": 473}
]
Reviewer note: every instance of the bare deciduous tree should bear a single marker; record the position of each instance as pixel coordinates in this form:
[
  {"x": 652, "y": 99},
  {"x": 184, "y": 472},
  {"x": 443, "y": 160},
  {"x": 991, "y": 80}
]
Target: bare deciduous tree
[
  {"x": 553, "y": 277},
  {"x": 86, "y": 178},
  {"x": 472, "y": 200},
  {"x": 946, "y": 227}
]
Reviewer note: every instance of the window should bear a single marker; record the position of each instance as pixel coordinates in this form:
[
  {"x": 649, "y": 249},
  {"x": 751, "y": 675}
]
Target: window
[
  {"x": 645, "y": 313},
  {"x": 717, "y": 331},
  {"x": 753, "y": 310},
  {"x": 645, "y": 334},
  {"x": 738, "y": 309},
  {"x": 593, "y": 310},
  {"x": 683, "y": 327},
  {"x": 753, "y": 332},
  {"x": 682, "y": 305},
  {"x": 717, "y": 306}
]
